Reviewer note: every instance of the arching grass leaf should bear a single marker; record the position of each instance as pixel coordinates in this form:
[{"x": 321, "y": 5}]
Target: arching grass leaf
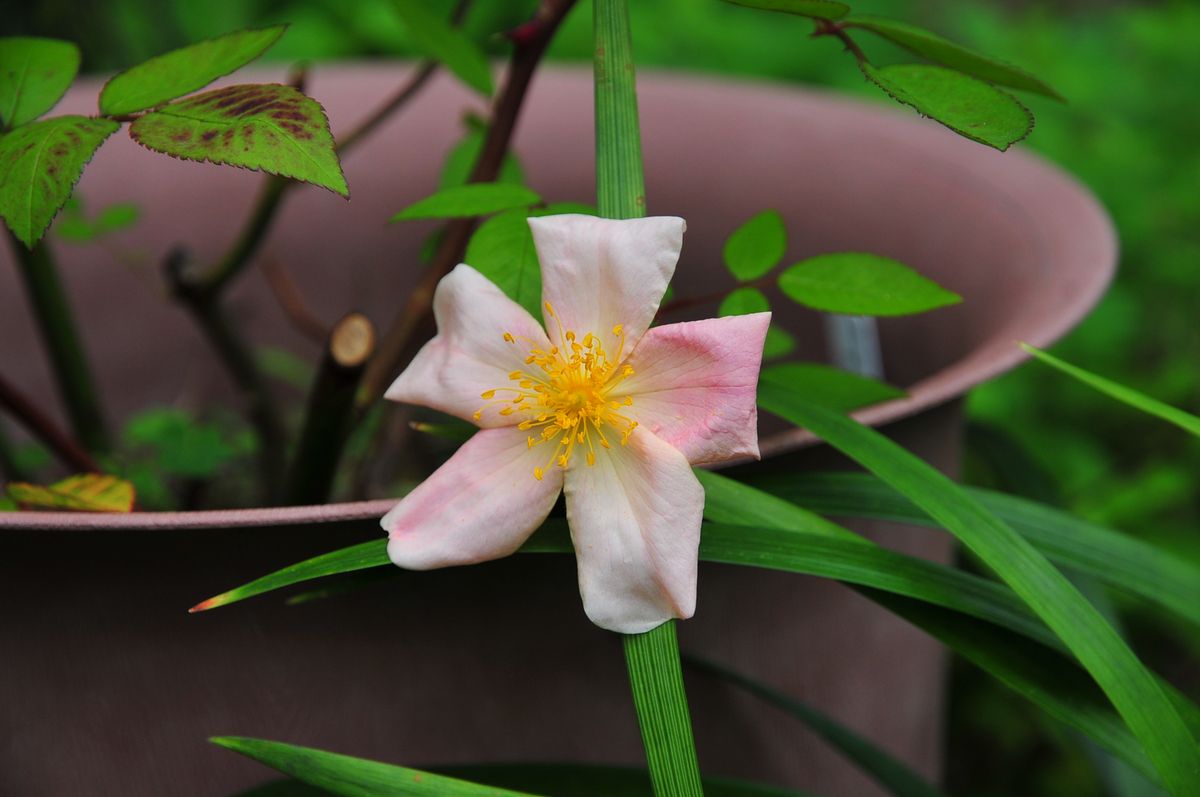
[
  {"x": 859, "y": 283},
  {"x": 434, "y": 37},
  {"x": 179, "y": 72},
  {"x": 590, "y": 780},
  {"x": 40, "y": 163},
  {"x": 1172, "y": 415},
  {"x": 829, "y": 386},
  {"x": 969, "y": 107},
  {"x": 756, "y": 247},
  {"x": 34, "y": 74},
  {"x": 472, "y": 199},
  {"x": 816, "y": 9},
  {"x": 929, "y": 45},
  {"x": 355, "y": 777},
  {"x": 88, "y": 492},
  {"x": 272, "y": 128}
]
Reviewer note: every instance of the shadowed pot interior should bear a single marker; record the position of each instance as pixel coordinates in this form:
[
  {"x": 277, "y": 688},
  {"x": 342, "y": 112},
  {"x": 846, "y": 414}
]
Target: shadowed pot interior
[{"x": 111, "y": 687}]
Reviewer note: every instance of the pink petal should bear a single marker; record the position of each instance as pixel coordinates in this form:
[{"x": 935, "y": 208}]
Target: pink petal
[
  {"x": 598, "y": 273},
  {"x": 480, "y": 505},
  {"x": 635, "y": 520},
  {"x": 469, "y": 354},
  {"x": 694, "y": 385}
]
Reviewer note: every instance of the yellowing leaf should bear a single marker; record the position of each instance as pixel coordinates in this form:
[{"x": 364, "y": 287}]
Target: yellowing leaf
[{"x": 88, "y": 492}]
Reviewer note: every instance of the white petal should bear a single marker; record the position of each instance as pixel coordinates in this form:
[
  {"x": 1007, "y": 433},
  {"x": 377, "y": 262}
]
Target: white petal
[
  {"x": 480, "y": 505},
  {"x": 469, "y": 355},
  {"x": 635, "y": 520},
  {"x": 598, "y": 273}
]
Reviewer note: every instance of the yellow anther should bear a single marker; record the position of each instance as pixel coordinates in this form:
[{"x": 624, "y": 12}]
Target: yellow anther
[
  {"x": 570, "y": 335},
  {"x": 509, "y": 338},
  {"x": 477, "y": 414},
  {"x": 529, "y": 441},
  {"x": 550, "y": 309},
  {"x": 619, "y": 330},
  {"x": 487, "y": 394},
  {"x": 538, "y": 473},
  {"x": 562, "y": 461},
  {"x": 506, "y": 411},
  {"x": 591, "y": 458},
  {"x": 515, "y": 374}
]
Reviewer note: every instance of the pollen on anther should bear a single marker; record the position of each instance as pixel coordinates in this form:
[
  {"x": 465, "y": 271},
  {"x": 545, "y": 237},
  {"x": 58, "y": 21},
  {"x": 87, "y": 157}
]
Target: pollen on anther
[
  {"x": 591, "y": 458},
  {"x": 529, "y": 441},
  {"x": 487, "y": 394},
  {"x": 550, "y": 309},
  {"x": 509, "y": 338},
  {"x": 515, "y": 374},
  {"x": 618, "y": 330},
  {"x": 538, "y": 473}
]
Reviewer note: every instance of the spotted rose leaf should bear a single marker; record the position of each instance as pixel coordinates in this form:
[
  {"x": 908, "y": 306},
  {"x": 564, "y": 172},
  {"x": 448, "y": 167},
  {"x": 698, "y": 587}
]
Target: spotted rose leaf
[
  {"x": 40, "y": 164},
  {"x": 267, "y": 127},
  {"x": 87, "y": 492}
]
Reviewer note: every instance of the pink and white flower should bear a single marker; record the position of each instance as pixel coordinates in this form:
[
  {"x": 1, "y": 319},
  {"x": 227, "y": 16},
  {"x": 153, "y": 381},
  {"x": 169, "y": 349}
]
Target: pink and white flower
[{"x": 597, "y": 405}]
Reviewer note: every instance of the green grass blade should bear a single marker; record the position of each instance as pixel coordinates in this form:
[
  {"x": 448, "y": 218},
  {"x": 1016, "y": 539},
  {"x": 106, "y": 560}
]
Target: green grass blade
[
  {"x": 1115, "y": 559},
  {"x": 590, "y": 780},
  {"x": 347, "y": 776},
  {"x": 886, "y": 770},
  {"x": 1184, "y": 420},
  {"x": 1134, "y": 692}
]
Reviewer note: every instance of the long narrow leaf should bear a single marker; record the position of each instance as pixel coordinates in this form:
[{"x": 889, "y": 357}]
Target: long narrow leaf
[
  {"x": 590, "y": 780},
  {"x": 1134, "y": 692}
]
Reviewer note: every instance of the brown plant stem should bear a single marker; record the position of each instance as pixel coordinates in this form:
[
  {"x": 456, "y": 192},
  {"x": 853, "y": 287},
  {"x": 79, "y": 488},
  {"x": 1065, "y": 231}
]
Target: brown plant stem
[
  {"x": 304, "y": 320},
  {"x": 56, "y": 322},
  {"x": 825, "y": 27},
  {"x": 28, "y": 414},
  {"x": 397, "y": 345},
  {"x": 328, "y": 419}
]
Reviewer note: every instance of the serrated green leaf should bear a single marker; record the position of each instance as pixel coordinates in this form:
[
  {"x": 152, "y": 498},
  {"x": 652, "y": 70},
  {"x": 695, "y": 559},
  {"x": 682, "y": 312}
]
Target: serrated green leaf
[
  {"x": 40, "y": 163},
  {"x": 756, "y": 247},
  {"x": 1172, "y": 415},
  {"x": 929, "y": 45},
  {"x": 34, "y": 75},
  {"x": 858, "y": 283},
  {"x": 815, "y": 9},
  {"x": 461, "y": 160},
  {"x": 434, "y": 37},
  {"x": 502, "y": 250},
  {"x": 969, "y": 107},
  {"x": 1136, "y": 694},
  {"x": 473, "y": 199},
  {"x": 272, "y": 128},
  {"x": 355, "y": 777},
  {"x": 179, "y": 72},
  {"x": 88, "y": 492},
  {"x": 828, "y": 386}
]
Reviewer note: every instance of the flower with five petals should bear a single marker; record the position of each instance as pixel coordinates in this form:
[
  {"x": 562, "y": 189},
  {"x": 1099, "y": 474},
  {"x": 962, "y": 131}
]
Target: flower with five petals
[{"x": 597, "y": 405}]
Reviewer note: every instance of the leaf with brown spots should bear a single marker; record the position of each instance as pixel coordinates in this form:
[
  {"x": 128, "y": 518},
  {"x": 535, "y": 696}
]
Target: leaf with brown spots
[
  {"x": 270, "y": 127},
  {"x": 183, "y": 71},
  {"x": 88, "y": 492},
  {"x": 34, "y": 74},
  {"x": 40, "y": 164}
]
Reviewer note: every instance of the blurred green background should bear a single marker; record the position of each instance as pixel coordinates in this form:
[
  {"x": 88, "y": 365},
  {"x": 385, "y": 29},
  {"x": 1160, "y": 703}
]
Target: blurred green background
[{"x": 1130, "y": 129}]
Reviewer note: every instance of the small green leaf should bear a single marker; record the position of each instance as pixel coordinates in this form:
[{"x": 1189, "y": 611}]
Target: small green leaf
[
  {"x": 947, "y": 53},
  {"x": 74, "y": 227},
  {"x": 433, "y": 36},
  {"x": 179, "y": 72},
  {"x": 744, "y": 301},
  {"x": 754, "y": 248},
  {"x": 39, "y": 165},
  {"x": 858, "y": 283},
  {"x": 88, "y": 492},
  {"x": 461, "y": 161},
  {"x": 473, "y": 199},
  {"x": 967, "y": 106},
  {"x": 354, "y": 777},
  {"x": 1184, "y": 420},
  {"x": 270, "y": 127},
  {"x": 182, "y": 446},
  {"x": 502, "y": 250},
  {"x": 828, "y": 386},
  {"x": 34, "y": 74},
  {"x": 779, "y": 343},
  {"x": 816, "y": 9}
]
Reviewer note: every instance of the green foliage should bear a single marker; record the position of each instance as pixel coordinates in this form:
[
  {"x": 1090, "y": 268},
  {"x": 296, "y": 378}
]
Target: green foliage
[
  {"x": 354, "y": 777},
  {"x": 947, "y": 53},
  {"x": 969, "y": 107},
  {"x": 502, "y": 250},
  {"x": 817, "y": 9},
  {"x": 858, "y": 283},
  {"x": 39, "y": 165},
  {"x": 472, "y": 199},
  {"x": 589, "y": 780},
  {"x": 34, "y": 74},
  {"x": 88, "y": 492},
  {"x": 756, "y": 247},
  {"x": 1184, "y": 420},
  {"x": 463, "y": 156},
  {"x": 74, "y": 226},
  {"x": 179, "y": 72},
  {"x": 183, "y": 446},
  {"x": 828, "y": 386},
  {"x": 439, "y": 41},
  {"x": 270, "y": 127}
]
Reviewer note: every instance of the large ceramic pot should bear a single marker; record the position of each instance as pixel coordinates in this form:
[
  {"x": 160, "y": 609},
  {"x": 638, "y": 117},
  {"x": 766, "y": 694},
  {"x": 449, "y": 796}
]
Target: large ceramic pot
[{"x": 109, "y": 687}]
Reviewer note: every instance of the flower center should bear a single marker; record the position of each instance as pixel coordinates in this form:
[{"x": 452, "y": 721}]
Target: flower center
[{"x": 568, "y": 396}]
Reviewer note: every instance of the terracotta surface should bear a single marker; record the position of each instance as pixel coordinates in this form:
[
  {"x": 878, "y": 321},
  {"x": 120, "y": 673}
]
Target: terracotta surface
[{"x": 497, "y": 662}]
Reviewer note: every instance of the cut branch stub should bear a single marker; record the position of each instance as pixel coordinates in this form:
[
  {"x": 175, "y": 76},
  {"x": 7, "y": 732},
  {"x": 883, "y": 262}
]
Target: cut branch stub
[
  {"x": 268, "y": 127},
  {"x": 39, "y": 165}
]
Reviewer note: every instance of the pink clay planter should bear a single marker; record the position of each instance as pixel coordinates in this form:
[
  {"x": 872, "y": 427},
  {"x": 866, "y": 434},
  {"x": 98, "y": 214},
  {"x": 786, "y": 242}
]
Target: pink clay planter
[{"x": 110, "y": 687}]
